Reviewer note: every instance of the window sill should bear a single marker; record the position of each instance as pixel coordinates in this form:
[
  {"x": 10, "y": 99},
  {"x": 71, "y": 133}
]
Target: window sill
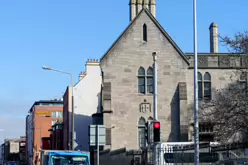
[
  {"x": 204, "y": 99},
  {"x": 145, "y": 94}
]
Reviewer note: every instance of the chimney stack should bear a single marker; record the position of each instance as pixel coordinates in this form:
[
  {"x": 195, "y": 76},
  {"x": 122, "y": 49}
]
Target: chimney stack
[
  {"x": 214, "y": 43},
  {"x": 137, "y": 5},
  {"x": 82, "y": 75},
  {"x": 153, "y": 7},
  {"x": 146, "y": 4},
  {"x": 132, "y": 9},
  {"x": 92, "y": 67}
]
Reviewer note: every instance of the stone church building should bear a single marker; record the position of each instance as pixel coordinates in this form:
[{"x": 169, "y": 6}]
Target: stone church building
[{"x": 127, "y": 89}]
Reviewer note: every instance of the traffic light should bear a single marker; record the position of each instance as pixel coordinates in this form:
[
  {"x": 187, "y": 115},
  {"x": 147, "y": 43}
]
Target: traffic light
[
  {"x": 146, "y": 132},
  {"x": 156, "y": 131}
]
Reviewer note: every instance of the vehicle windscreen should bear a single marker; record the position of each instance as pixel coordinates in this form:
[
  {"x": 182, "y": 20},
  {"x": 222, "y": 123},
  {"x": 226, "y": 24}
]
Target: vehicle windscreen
[{"x": 69, "y": 160}]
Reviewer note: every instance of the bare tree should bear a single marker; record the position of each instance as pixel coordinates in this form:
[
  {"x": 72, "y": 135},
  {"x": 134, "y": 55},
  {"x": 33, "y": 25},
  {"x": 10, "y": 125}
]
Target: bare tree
[
  {"x": 237, "y": 44},
  {"x": 228, "y": 110}
]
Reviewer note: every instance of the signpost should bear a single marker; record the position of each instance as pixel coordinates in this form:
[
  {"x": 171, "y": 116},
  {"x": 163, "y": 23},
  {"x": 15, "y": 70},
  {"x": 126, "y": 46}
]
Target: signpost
[{"x": 97, "y": 135}]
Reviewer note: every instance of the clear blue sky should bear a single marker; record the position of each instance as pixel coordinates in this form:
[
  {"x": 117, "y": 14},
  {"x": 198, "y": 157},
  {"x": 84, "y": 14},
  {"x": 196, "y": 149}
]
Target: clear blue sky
[{"x": 64, "y": 34}]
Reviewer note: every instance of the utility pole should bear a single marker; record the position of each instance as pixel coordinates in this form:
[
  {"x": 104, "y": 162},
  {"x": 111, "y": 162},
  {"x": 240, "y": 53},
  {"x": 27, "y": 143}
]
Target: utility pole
[{"x": 196, "y": 122}]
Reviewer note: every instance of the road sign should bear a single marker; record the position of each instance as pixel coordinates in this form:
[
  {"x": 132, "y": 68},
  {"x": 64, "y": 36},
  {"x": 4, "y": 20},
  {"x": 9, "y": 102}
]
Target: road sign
[{"x": 100, "y": 134}]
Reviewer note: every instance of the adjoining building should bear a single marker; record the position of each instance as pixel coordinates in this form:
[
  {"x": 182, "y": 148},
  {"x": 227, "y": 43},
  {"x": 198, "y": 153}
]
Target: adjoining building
[
  {"x": 56, "y": 137},
  {"x": 1, "y": 154},
  {"x": 42, "y": 115},
  {"x": 13, "y": 150},
  {"x": 87, "y": 101}
]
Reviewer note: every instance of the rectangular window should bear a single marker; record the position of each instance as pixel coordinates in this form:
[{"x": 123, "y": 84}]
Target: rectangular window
[
  {"x": 150, "y": 85},
  {"x": 207, "y": 90},
  {"x": 60, "y": 115},
  {"x": 141, "y": 84},
  {"x": 142, "y": 139},
  {"x": 54, "y": 114},
  {"x": 200, "y": 90}
]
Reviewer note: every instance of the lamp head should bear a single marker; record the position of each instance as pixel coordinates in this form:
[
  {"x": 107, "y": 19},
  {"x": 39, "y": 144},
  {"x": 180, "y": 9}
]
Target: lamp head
[{"x": 46, "y": 68}]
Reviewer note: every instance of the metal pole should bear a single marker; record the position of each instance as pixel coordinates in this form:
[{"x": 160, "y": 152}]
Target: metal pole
[
  {"x": 155, "y": 112},
  {"x": 97, "y": 127},
  {"x": 196, "y": 122}
]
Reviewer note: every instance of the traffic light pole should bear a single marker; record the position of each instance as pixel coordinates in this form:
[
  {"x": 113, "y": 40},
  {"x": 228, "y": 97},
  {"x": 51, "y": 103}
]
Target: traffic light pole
[{"x": 155, "y": 99}]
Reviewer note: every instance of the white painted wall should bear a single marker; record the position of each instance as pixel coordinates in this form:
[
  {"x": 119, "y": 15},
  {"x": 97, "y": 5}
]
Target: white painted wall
[{"x": 86, "y": 102}]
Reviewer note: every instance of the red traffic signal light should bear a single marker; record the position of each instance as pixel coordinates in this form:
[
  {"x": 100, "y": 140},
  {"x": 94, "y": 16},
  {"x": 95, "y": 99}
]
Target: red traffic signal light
[
  {"x": 156, "y": 125},
  {"x": 156, "y": 131}
]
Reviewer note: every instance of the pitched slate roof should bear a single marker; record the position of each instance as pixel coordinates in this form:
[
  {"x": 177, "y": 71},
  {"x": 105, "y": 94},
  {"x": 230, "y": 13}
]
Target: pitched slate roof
[{"x": 159, "y": 27}]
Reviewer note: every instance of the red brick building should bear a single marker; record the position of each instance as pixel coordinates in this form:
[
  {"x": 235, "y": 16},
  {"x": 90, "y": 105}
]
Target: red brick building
[{"x": 42, "y": 115}]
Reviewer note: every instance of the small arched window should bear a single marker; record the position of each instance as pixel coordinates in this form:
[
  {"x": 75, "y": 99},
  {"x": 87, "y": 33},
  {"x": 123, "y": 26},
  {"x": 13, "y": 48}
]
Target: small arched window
[
  {"x": 207, "y": 86},
  {"x": 141, "y": 132},
  {"x": 150, "y": 119},
  {"x": 149, "y": 77},
  {"x": 200, "y": 92},
  {"x": 145, "y": 33},
  {"x": 141, "y": 80}
]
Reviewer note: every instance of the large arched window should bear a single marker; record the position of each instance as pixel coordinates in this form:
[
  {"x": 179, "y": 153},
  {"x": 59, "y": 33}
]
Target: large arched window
[
  {"x": 145, "y": 33},
  {"x": 207, "y": 86},
  {"x": 200, "y": 92},
  {"x": 141, "y": 132},
  {"x": 141, "y": 80},
  {"x": 149, "y": 80}
]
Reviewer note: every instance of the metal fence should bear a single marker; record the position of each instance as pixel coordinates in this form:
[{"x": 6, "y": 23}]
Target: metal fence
[
  {"x": 182, "y": 153},
  {"x": 170, "y": 155}
]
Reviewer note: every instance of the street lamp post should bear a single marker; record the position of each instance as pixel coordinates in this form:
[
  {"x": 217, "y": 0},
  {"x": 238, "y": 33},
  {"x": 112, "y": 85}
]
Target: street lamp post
[
  {"x": 196, "y": 120},
  {"x": 72, "y": 101}
]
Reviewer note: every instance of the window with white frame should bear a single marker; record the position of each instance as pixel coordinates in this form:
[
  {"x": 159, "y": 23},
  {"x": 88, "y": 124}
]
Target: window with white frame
[{"x": 57, "y": 114}]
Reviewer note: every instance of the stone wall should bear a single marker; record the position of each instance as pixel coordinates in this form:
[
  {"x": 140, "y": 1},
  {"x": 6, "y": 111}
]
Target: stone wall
[
  {"x": 120, "y": 157},
  {"x": 218, "y": 61}
]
